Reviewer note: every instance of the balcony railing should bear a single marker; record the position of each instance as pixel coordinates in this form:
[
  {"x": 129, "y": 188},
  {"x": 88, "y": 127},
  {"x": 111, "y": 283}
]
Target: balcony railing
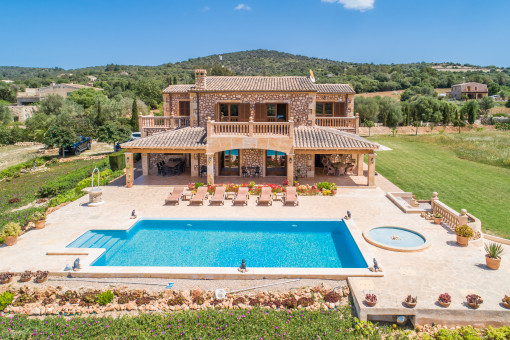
[
  {"x": 151, "y": 124},
  {"x": 350, "y": 124},
  {"x": 250, "y": 129}
]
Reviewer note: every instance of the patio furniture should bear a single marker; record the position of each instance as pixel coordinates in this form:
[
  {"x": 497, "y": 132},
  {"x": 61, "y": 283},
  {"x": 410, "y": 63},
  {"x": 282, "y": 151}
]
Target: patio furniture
[
  {"x": 187, "y": 196},
  {"x": 219, "y": 196},
  {"x": 257, "y": 172},
  {"x": 266, "y": 197},
  {"x": 199, "y": 197},
  {"x": 176, "y": 196},
  {"x": 203, "y": 170},
  {"x": 290, "y": 197},
  {"x": 230, "y": 195},
  {"x": 244, "y": 172},
  {"x": 243, "y": 194}
]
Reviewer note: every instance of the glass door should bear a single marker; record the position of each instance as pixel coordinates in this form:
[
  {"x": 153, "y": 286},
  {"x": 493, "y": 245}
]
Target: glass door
[
  {"x": 229, "y": 113},
  {"x": 229, "y": 163},
  {"x": 276, "y": 163}
]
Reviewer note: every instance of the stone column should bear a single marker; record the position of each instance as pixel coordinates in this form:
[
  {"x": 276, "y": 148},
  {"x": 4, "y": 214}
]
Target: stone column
[
  {"x": 371, "y": 170},
  {"x": 358, "y": 171},
  {"x": 130, "y": 170},
  {"x": 290, "y": 168},
  {"x": 210, "y": 167},
  {"x": 194, "y": 164},
  {"x": 145, "y": 164}
]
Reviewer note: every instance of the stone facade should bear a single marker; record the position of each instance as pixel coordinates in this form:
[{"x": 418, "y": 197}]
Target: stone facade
[
  {"x": 171, "y": 102},
  {"x": 305, "y": 164},
  {"x": 22, "y": 112},
  {"x": 253, "y": 157},
  {"x": 338, "y": 97}
]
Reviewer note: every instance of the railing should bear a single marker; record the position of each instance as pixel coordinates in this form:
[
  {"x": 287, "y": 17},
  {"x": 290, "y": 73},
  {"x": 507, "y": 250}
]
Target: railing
[
  {"x": 250, "y": 128},
  {"x": 162, "y": 123},
  {"x": 453, "y": 218},
  {"x": 340, "y": 123}
]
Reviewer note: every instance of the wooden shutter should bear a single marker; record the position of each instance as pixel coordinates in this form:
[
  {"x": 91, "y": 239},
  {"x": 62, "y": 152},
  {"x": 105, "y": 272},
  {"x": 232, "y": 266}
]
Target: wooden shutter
[
  {"x": 260, "y": 112},
  {"x": 244, "y": 112},
  {"x": 184, "y": 108},
  {"x": 339, "y": 110}
]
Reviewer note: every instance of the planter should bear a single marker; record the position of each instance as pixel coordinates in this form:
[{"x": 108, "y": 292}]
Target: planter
[
  {"x": 492, "y": 263},
  {"x": 473, "y": 305},
  {"x": 9, "y": 280},
  {"x": 44, "y": 279},
  {"x": 462, "y": 241},
  {"x": 10, "y": 240},
  {"x": 444, "y": 304},
  {"x": 410, "y": 304},
  {"x": 370, "y": 304},
  {"x": 437, "y": 220},
  {"x": 25, "y": 278},
  {"x": 506, "y": 305},
  {"x": 40, "y": 224}
]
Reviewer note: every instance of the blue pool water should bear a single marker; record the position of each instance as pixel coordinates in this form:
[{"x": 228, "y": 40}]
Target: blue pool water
[
  {"x": 397, "y": 237},
  {"x": 224, "y": 243}
]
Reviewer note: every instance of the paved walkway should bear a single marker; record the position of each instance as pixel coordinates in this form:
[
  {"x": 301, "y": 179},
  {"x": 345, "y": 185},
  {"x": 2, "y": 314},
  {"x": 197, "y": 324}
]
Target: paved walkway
[{"x": 444, "y": 267}]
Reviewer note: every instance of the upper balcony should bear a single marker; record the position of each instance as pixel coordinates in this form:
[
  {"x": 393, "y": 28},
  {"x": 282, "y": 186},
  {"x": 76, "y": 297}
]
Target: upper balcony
[
  {"x": 348, "y": 124},
  {"x": 153, "y": 124},
  {"x": 250, "y": 129}
]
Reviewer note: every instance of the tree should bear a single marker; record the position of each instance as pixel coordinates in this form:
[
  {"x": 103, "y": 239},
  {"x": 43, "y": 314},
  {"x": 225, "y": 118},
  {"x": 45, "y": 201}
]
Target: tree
[
  {"x": 5, "y": 115},
  {"x": 134, "y": 116},
  {"x": 59, "y": 136},
  {"x": 423, "y": 90},
  {"x": 367, "y": 108},
  {"x": 149, "y": 92},
  {"x": 369, "y": 124},
  {"x": 52, "y": 105},
  {"x": 85, "y": 97},
  {"x": 486, "y": 103},
  {"x": 449, "y": 112},
  {"x": 416, "y": 124},
  {"x": 113, "y": 132},
  {"x": 470, "y": 109},
  {"x": 8, "y": 92},
  {"x": 459, "y": 123},
  {"x": 493, "y": 88},
  {"x": 507, "y": 104}
]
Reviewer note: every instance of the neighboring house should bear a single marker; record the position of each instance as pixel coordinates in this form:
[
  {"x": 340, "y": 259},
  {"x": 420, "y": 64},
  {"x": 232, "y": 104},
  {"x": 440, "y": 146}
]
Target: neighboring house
[
  {"x": 20, "y": 113},
  {"x": 282, "y": 126},
  {"x": 471, "y": 90},
  {"x": 32, "y": 95},
  {"x": 92, "y": 78},
  {"x": 8, "y": 81}
]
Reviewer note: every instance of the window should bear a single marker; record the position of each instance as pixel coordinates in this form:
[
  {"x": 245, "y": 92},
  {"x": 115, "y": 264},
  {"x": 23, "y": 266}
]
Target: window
[
  {"x": 184, "y": 108},
  {"x": 324, "y": 109},
  {"x": 229, "y": 113},
  {"x": 276, "y": 112},
  {"x": 271, "y": 112}
]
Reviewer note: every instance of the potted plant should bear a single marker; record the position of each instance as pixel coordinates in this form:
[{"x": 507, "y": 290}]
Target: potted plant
[
  {"x": 191, "y": 186},
  {"x": 493, "y": 257},
  {"x": 464, "y": 233},
  {"x": 26, "y": 276},
  {"x": 506, "y": 301},
  {"x": 39, "y": 219},
  {"x": 10, "y": 233},
  {"x": 474, "y": 301},
  {"x": 444, "y": 300},
  {"x": 41, "y": 276},
  {"x": 6, "y": 277},
  {"x": 370, "y": 300},
  {"x": 437, "y": 218},
  {"x": 410, "y": 301}
]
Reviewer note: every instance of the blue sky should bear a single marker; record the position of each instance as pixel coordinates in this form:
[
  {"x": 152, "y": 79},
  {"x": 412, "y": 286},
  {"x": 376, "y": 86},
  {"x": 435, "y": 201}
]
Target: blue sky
[{"x": 78, "y": 33}]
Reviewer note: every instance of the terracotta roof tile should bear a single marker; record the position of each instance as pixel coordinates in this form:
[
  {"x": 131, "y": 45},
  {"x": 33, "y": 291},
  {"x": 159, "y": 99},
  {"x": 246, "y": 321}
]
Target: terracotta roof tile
[
  {"x": 181, "y": 88},
  {"x": 185, "y": 138},
  {"x": 316, "y": 137},
  {"x": 262, "y": 84},
  {"x": 334, "y": 88}
]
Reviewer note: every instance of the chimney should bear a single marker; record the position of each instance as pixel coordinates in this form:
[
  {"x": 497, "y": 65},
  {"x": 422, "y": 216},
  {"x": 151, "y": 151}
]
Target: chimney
[{"x": 200, "y": 79}]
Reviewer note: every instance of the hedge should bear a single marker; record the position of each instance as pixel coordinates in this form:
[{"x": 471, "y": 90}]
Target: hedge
[
  {"x": 117, "y": 161},
  {"x": 15, "y": 170}
]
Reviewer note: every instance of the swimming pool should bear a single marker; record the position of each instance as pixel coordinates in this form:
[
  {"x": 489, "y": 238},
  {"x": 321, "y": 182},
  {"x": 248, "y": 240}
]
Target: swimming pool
[{"x": 224, "y": 243}]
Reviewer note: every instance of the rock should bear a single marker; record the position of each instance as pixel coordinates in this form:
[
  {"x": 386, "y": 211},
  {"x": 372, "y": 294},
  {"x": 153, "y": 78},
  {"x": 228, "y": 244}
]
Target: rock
[{"x": 196, "y": 292}]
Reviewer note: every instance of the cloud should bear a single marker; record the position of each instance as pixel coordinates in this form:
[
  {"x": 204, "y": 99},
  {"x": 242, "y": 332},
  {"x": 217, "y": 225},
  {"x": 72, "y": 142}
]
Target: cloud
[
  {"x": 205, "y": 9},
  {"x": 360, "y": 5},
  {"x": 242, "y": 7}
]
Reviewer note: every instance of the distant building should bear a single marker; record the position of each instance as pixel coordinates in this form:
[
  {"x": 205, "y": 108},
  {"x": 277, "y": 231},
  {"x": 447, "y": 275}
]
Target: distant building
[
  {"x": 32, "y": 95},
  {"x": 92, "y": 78},
  {"x": 472, "y": 90},
  {"x": 22, "y": 113},
  {"x": 8, "y": 81}
]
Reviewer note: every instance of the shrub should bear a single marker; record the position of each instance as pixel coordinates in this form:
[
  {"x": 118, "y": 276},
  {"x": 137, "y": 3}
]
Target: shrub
[
  {"x": 332, "y": 297},
  {"x": 198, "y": 184},
  {"x": 464, "y": 231},
  {"x": 305, "y": 302},
  {"x": 11, "y": 229},
  {"x": 117, "y": 161},
  {"x": 177, "y": 300},
  {"x": 14, "y": 170},
  {"x": 290, "y": 303},
  {"x": 324, "y": 185},
  {"x": 38, "y": 216},
  {"x": 494, "y": 250},
  {"x": 5, "y": 300},
  {"x": 105, "y": 298}
]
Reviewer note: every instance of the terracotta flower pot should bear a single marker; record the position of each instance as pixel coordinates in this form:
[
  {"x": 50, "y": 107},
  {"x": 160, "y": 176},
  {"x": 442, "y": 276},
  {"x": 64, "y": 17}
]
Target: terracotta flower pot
[
  {"x": 506, "y": 305},
  {"x": 44, "y": 279},
  {"x": 444, "y": 304},
  {"x": 437, "y": 220},
  {"x": 492, "y": 263},
  {"x": 462, "y": 241},
  {"x": 10, "y": 240},
  {"x": 370, "y": 304},
  {"x": 474, "y": 305},
  {"x": 25, "y": 278},
  {"x": 410, "y": 304},
  {"x": 9, "y": 280},
  {"x": 40, "y": 224}
]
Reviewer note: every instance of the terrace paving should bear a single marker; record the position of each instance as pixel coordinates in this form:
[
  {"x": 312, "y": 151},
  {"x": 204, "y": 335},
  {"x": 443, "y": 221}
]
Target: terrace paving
[{"x": 444, "y": 267}]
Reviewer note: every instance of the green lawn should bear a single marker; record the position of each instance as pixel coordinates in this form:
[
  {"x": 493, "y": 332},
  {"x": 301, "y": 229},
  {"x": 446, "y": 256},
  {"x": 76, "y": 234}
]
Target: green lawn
[{"x": 424, "y": 164}]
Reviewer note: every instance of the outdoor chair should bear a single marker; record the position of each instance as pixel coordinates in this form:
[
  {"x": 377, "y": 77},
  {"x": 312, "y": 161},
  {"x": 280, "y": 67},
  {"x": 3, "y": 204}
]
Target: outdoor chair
[
  {"x": 265, "y": 197},
  {"x": 244, "y": 172},
  {"x": 219, "y": 196},
  {"x": 199, "y": 197},
  {"x": 175, "y": 197},
  {"x": 257, "y": 172},
  {"x": 290, "y": 196},
  {"x": 242, "y": 196},
  {"x": 203, "y": 170}
]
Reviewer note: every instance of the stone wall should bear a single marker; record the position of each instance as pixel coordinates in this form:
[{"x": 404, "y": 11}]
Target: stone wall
[
  {"x": 301, "y": 105},
  {"x": 253, "y": 157},
  {"x": 305, "y": 165},
  {"x": 171, "y": 102},
  {"x": 22, "y": 112}
]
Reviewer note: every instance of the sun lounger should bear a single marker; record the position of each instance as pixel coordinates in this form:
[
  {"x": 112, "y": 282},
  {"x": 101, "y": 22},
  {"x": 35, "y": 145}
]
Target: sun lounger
[
  {"x": 266, "y": 197},
  {"x": 242, "y": 196},
  {"x": 175, "y": 197},
  {"x": 219, "y": 196},
  {"x": 199, "y": 196},
  {"x": 290, "y": 196}
]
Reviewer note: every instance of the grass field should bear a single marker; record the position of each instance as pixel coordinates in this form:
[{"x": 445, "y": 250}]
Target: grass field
[{"x": 468, "y": 171}]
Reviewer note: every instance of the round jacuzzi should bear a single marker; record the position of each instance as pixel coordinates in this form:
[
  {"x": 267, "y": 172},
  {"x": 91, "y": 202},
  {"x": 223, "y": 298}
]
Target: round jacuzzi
[{"x": 396, "y": 239}]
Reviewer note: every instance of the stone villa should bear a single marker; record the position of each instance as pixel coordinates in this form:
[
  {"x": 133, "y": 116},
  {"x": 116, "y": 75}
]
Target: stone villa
[
  {"x": 264, "y": 126},
  {"x": 471, "y": 90}
]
